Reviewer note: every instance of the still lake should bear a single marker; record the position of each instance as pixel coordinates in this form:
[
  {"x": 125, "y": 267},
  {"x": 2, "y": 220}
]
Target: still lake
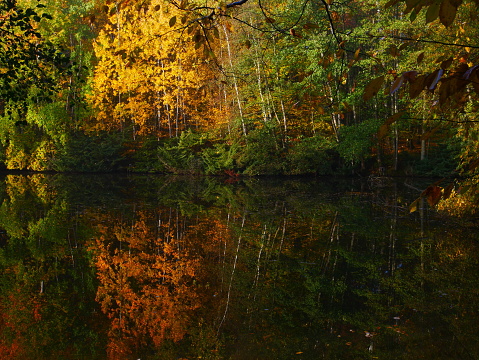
[{"x": 157, "y": 267}]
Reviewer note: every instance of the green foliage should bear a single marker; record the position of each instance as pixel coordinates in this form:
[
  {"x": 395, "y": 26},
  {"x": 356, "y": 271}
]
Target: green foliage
[
  {"x": 142, "y": 156},
  {"x": 440, "y": 162},
  {"x": 220, "y": 157},
  {"x": 50, "y": 117},
  {"x": 26, "y": 59},
  {"x": 356, "y": 140},
  {"x": 89, "y": 153},
  {"x": 261, "y": 152},
  {"x": 311, "y": 155},
  {"x": 182, "y": 154}
]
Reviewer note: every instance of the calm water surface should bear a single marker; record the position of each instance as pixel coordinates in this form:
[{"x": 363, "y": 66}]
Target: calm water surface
[{"x": 152, "y": 267}]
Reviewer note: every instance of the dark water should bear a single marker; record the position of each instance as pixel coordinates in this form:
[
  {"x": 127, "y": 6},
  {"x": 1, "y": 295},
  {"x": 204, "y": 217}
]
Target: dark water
[{"x": 145, "y": 267}]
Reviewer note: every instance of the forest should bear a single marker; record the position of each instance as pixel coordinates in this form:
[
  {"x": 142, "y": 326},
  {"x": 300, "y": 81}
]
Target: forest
[{"x": 245, "y": 88}]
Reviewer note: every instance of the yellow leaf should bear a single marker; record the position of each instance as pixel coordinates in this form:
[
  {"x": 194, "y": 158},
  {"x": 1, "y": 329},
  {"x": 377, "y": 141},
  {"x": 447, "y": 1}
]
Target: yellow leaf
[
  {"x": 356, "y": 54},
  {"x": 414, "y": 205}
]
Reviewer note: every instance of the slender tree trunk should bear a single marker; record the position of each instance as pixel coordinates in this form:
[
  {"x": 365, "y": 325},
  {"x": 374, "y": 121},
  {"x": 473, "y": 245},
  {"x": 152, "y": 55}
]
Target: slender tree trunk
[{"x": 235, "y": 83}]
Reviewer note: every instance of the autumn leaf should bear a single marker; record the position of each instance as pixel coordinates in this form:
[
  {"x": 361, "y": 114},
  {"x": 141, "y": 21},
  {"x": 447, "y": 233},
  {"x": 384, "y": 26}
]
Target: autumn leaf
[
  {"x": 447, "y": 12},
  {"x": 446, "y": 63},
  {"x": 396, "y": 85},
  {"x": 432, "y": 194},
  {"x": 416, "y": 86},
  {"x": 383, "y": 129},
  {"x": 432, "y": 12},
  {"x": 356, "y": 54},
  {"x": 309, "y": 26},
  {"x": 448, "y": 191},
  {"x": 420, "y": 58},
  {"x": 373, "y": 88},
  {"x": 432, "y": 79}
]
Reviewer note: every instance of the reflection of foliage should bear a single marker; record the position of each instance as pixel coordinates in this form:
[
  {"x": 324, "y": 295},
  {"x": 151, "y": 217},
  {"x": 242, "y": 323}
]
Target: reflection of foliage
[
  {"x": 146, "y": 283},
  {"x": 45, "y": 279},
  {"x": 191, "y": 269}
]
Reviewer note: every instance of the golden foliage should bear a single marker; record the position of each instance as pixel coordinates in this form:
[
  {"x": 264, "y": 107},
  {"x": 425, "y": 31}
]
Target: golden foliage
[{"x": 149, "y": 73}]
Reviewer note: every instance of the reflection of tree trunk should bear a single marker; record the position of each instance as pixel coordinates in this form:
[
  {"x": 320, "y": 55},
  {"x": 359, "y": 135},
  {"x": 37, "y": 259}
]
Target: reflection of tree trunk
[
  {"x": 327, "y": 256},
  {"x": 258, "y": 268},
  {"x": 421, "y": 214},
  {"x": 232, "y": 276},
  {"x": 392, "y": 235}
]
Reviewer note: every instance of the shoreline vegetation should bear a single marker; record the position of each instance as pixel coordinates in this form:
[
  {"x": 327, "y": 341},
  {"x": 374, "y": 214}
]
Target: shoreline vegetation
[{"x": 237, "y": 89}]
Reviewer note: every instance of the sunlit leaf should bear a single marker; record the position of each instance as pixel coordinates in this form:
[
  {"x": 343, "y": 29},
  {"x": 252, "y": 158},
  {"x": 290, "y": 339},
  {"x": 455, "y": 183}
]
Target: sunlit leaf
[{"x": 414, "y": 205}]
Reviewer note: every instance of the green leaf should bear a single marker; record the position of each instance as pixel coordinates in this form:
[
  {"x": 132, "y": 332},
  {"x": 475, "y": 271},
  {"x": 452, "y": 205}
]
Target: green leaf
[
  {"x": 432, "y": 12},
  {"x": 172, "y": 21}
]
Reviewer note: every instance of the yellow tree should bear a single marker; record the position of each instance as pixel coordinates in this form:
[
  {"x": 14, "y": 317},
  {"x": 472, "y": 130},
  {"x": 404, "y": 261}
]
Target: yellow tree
[{"x": 150, "y": 75}]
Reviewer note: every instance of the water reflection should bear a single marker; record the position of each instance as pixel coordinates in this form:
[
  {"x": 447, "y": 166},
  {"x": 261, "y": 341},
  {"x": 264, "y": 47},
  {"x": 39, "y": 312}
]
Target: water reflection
[{"x": 97, "y": 267}]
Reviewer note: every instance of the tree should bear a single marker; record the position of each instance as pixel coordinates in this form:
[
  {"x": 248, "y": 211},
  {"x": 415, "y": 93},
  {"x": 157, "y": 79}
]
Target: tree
[
  {"x": 149, "y": 78},
  {"x": 26, "y": 60}
]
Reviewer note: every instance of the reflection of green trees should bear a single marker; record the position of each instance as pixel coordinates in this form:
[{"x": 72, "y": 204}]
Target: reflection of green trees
[
  {"x": 46, "y": 281},
  {"x": 282, "y": 269}
]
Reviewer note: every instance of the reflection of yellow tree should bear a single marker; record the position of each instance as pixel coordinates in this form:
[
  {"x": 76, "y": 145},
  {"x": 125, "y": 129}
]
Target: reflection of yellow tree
[{"x": 146, "y": 284}]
